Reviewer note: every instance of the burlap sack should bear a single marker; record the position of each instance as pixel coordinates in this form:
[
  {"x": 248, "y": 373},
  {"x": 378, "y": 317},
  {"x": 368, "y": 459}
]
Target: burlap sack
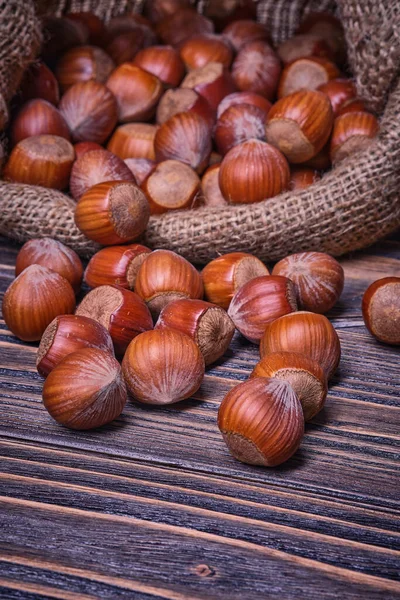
[{"x": 350, "y": 208}]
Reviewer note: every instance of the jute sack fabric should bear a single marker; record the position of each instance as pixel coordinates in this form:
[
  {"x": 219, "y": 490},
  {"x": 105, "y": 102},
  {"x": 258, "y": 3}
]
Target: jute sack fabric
[{"x": 350, "y": 208}]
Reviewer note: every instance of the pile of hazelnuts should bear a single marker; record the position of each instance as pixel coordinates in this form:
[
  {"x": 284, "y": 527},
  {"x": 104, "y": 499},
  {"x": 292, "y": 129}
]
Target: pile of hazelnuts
[
  {"x": 187, "y": 116},
  {"x": 147, "y": 309}
]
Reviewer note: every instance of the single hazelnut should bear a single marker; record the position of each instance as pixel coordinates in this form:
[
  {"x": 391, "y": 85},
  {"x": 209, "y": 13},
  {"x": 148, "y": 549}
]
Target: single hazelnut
[
  {"x": 60, "y": 35},
  {"x": 242, "y": 32},
  {"x": 120, "y": 311},
  {"x": 44, "y": 160},
  {"x": 300, "y": 124},
  {"x": 302, "y": 177},
  {"x": 172, "y": 185},
  {"x": 352, "y": 132},
  {"x": 163, "y": 366},
  {"x": 237, "y": 124},
  {"x": 306, "y": 73},
  {"x": 184, "y": 137},
  {"x": 253, "y": 171},
  {"x": 213, "y": 82},
  {"x": 162, "y": 61},
  {"x": 157, "y": 10},
  {"x": 381, "y": 310},
  {"x": 304, "y": 374},
  {"x": 136, "y": 91},
  {"x": 183, "y": 100},
  {"x": 53, "y": 255},
  {"x": 82, "y": 147},
  {"x": 165, "y": 276},
  {"x": 97, "y": 166},
  {"x": 210, "y": 191},
  {"x": 39, "y": 82},
  {"x": 34, "y": 299},
  {"x": 133, "y": 140},
  {"x": 182, "y": 25},
  {"x": 67, "y": 334},
  {"x": 83, "y": 63},
  {"x": 329, "y": 28},
  {"x": 259, "y": 302},
  {"x": 207, "y": 324},
  {"x": 93, "y": 24},
  {"x": 38, "y": 117},
  {"x": 115, "y": 265},
  {"x": 113, "y": 212},
  {"x": 352, "y": 105},
  {"x": 318, "y": 279},
  {"x": 85, "y": 390},
  {"x": 306, "y": 333},
  {"x": 261, "y": 421},
  {"x": 199, "y": 50},
  {"x": 302, "y": 46},
  {"x": 124, "y": 47},
  {"x": 140, "y": 168},
  {"x": 244, "y": 98},
  {"x": 257, "y": 69},
  {"x": 90, "y": 111},
  {"x": 223, "y": 276},
  {"x": 339, "y": 92}
]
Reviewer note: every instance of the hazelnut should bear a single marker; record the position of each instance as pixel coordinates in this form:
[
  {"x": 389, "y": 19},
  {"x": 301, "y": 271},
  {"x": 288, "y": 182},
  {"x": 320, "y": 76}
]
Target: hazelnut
[
  {"x": 261, "y": 421},
  {"x": 242, "y": 32},
  {"x": 306, "y": 73},
  {"x": 352, "y": 132},
  {"x": 223, "y": 276},
  {"x": 339, "y": 92},
  {"x": 237, "y": 124},
  {"x": 182, "y": 25},
  {"x": 172, "y": 185},
  {"x": 381, "y": 309},
  {"x": 305, "y": 333},
  {"x": 304, "y": 45},
  {"x": 124, "y": 47},
  {"x": 162, "y": 61},
  {"x": 38, "y": 117},
  {"x": 140, "y": 168},
  {"x": 53, "y": 255},
  {"x": 120, "y": 311},
  {"x": 183, "y": 100},
  {"x": 85, "y": 390},
  {"x": 39, "y": 82},
  {"x": 163, "y": 366},
  {"x": 83, "y": 63},
  {"x": 259, "y": 302},
  {"x": 210, "y": 191},
  {"x": 165, "y": 276},
  {"x": 257, "y": 68},
  {"x": 113, "y": 212},
  {"x": 199, "y": 50},
  {"x": 115, "y": 265},
  {"x": 207, "y": 324},
  {"x": 133, "y": 140},
  {"x": 34, "y": 299},
  {"x": 304, "y": 374},
  {"x": 300, "y": 124},
  {"x": 213, "y": 82},
  {"x": 302, "y": 177},
  {"x": 82, "y": 147},
  {"x": 244, "y": 98},
  {"x": 67, "y": 334}
]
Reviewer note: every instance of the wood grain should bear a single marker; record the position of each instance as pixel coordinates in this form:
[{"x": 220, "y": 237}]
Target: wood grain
[{"x": 153, "y": 505}]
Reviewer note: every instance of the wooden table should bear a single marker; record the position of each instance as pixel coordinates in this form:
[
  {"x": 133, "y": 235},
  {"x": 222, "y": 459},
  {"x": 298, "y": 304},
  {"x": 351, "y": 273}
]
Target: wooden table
[{"x": 153, "y": 506}]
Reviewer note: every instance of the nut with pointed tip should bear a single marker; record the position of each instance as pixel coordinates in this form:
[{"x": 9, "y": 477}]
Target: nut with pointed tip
[
  {"x": 352, "y": 132},
  {"x": 207, "y": 324},
  {"x": 300, "y": 124},
  {"x": 40, "y": 82},
  {"x": 381, "y": 310},
  {"x": 306, "y": 333},
  {"x": 120, "y": 311},
  {"x": 54, "y": 256},
  {"x": 116, "y": 265},
  {"x": 157, "y": 10},
  {"x": 257, "y": 68},
  {"x": 162, "y": 61},
  {"x": 90, "y": 110},
  {"x": 124, "y": 47},
  {"x": 213, "y": 82},
  {"x": 140, "y": 168},
  {"x": 182, "y": 25},
  {"x": 210, "y": 191},
  {"x": 85, "y": 390},
  {"x": 82, "y": 147},
  {"x": 44, "y": 160},
  {"x": 353, "y": 105},
  {"x": 242, "y": 32},
  {"x": 253, "y": 171},
  {"x": 172, "y": 185},
  {"x": 83, "y": 63},
  {"x": 304, "y": 45},
  {"x": 244, "y": 98},
  {"x": 94, "y": 25},
  {"x": 237, "y": 124},
  {"x": 306, "y": 73},
  {"x": 60, "y": 35},
  {"x": 223, "y": 276},
  {"x": 38, "y": 117},
  {"x": 304, "y": 374},
  {"x": 97, "y": 166},
  {"x": 339, "y": 92},
  {"x": 327, "y": 26},
  {"x": 136, "y": 91},
  {"x": 183, "y": 100},
  {"x": 302, "y": 177},
  {"x": 67, "y": 334},
  {"x": 165, "y": 276},
  {"x": 199, "y": 50},
  {"x": 259, "y": 302},
  {"x": 261, "y": 421},
  {"x": 318, "y": 279},
  {"x": 133, "y": 140},
  {"x": 163, "y": 366},
  {"x": 113, "y": 212},
  {"x": 184, "y": 137},
  {"x": 34, "y": 299}
]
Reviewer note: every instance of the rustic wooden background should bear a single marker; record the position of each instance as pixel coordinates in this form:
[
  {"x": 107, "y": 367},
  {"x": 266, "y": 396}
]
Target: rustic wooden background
[{"x": 153, "y": 506}]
